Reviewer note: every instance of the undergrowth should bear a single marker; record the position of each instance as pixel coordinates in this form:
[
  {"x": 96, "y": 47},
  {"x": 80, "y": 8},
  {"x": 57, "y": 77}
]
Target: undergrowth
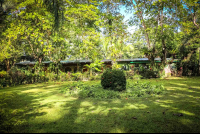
[{"x": 82, "y": 90}]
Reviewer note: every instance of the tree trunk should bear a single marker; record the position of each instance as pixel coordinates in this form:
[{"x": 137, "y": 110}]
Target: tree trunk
[
  {"x": 90, "y": 72},
  {"x": 163, "y": 58},
  {"x": 153, "y": 57},
  {"x": 40, "y": 60},
  {"x": 7, "y": 61},
  {"x": 199, "y": 61},
  {"x": 57, "y": 68},
  {"x": 154, "y": 44},
  {"x": 143, "y": 24}
]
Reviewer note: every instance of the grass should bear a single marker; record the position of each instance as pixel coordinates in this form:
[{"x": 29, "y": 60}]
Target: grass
[{"x": 37, "y": 108}]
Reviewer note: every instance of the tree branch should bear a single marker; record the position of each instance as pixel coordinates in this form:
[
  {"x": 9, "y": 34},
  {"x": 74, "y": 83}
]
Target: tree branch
[
  {"x": 143, "y": 24},
  {"x": 194, "y": 21}
]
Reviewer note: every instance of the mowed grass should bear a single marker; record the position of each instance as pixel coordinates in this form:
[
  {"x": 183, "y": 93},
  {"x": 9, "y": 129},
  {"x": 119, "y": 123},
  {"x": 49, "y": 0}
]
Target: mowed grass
[{"x": 41, "y": 108}]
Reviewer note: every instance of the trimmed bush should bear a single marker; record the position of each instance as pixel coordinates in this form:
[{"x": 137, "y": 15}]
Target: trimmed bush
[{"x": 113, "y": 80}]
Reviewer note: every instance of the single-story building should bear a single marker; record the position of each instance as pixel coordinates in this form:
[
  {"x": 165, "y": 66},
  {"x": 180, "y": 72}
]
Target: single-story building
[{"x": 79, "y": 65}]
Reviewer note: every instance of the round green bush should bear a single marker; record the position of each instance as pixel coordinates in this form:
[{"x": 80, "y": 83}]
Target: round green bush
[{"x": 114, "y": 80}]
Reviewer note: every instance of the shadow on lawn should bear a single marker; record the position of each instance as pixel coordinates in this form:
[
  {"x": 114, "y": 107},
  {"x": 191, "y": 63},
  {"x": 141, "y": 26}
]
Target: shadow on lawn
[
  {"x": 153, "y": 114},
  {"x": 114, "y": 120}
]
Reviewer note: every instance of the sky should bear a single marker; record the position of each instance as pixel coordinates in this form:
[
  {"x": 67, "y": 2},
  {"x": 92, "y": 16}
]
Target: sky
[{"x": 127, "y": 16}]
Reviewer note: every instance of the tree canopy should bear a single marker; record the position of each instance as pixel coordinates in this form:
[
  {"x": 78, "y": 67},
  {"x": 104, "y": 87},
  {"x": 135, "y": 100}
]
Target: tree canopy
[{"x": 92, "y": 29}]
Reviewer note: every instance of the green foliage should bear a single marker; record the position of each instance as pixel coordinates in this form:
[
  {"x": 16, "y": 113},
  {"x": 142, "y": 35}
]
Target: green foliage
[
  {"x": 77, "y": 76},
  {"x": 161, "y": 74},
  {"x": 98, "y": 76},
  {"x": 141, "y": 89},
  {"x": 16, "y": 76},
  {"x": 137, "y": 77},
  {"x": 63, "y": 76},
  {"x": 51, "y": 76},
  {"x": 85, "y": 75},
  {"x": 92, "y": 78},
  {"x": 129, "y": 74},
  {"x": 113, "y": 80},
  {"x": 132, "y": 75},
  {"x": 148, "y": 74},
  {"x": 82, "y": 90},
  {"x": 190, "y": 64},
  {"x": 4, "y": 79},
  {"x": 3, "y": 73}
]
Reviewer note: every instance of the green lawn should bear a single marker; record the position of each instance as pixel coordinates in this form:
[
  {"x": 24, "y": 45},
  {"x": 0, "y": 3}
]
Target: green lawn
[{"x": 37, "y": 108}]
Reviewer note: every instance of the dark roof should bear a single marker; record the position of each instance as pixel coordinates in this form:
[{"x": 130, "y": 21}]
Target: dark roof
[
  {"x": 26, "y": 63},
  {"x": 143, "y": 59},
  {"x": 135, "y": 59},
  {"x": 47, "y": 62},
  {"x": 31, "y": 62},
  {"x": 106, "y": 60},
  {"x": 75, "y": 61}
]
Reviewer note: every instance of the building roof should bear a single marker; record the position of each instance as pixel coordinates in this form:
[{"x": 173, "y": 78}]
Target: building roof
[
  {"x": 75, "y": 61},
  {"x": 135, "y": 60},
  {"x": 106, "y": 60},
  {"x": 26, "y": 63}
]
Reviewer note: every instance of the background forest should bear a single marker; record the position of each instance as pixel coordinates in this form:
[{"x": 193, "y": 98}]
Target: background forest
[{"x": 56, "y": 30}]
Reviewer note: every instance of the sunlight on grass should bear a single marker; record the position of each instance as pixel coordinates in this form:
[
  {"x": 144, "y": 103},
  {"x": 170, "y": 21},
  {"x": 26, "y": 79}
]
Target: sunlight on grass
[
  {"x": 136, "y": 106},
  {"x": 48, "y": 110},
  {"x": 175, "y": 78},
  {"x": 167, "y": 101},
  {"x": 163, "y": 105},
  {"x": 186, "y": 112},
  {"x": 116, "y": 101},
  {"x": 36, "y": 90},
  {"x": 86, "y": 104},
  {"x": 186, "y": 121},
  {"x": 196, "y": 87},
  {"x": 52, "y": 114},
  {"x": 179, "y": 84},
  {"x": 116, "y": 130}
]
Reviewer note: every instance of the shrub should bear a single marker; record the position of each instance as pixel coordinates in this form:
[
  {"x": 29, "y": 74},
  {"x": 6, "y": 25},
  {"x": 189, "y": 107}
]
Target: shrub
[
  {"x": 85, "y": 75},
  {"x": 148, "y": 73},
  {"x": 129, "y": 74},
  {"x": 52, "y": 76},
  {"x": 85, "y": 91},
  {"x": 114, "y": 80},
  {"x": 82, "y": 90},
  {"x": 4, "y": 79},
  {"x": 62, "y": 76},
  {"x": 3, "y": 74},
  {"x": 92, "y": 77},
  {"x": 17, "y": 76},
  {"x": 141, "y": 89},
  {"x": 98, "y": 76},
  {"x": 137, "y": 77},
  {"x": 77, "y": 76}
]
